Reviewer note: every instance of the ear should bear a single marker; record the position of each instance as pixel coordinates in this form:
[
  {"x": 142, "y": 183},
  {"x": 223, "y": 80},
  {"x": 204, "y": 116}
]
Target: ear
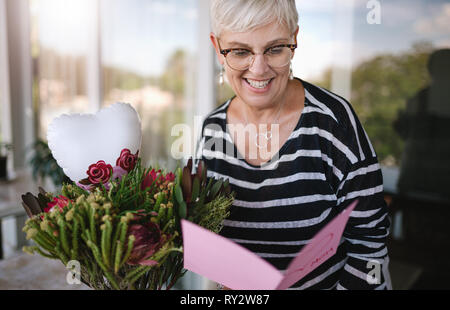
[
  {"x": 296, "y": 34},
  {"x": 295, "y": 38},
  {"x": 213, "y": 38}
]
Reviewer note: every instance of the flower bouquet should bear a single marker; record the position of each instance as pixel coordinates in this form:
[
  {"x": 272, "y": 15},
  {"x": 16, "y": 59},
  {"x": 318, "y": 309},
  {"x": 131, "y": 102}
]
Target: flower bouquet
[{"x": 122, "y": 223}]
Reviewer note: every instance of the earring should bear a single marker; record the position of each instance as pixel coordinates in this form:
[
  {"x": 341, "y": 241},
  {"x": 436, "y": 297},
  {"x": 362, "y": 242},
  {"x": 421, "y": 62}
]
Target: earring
[
  {"x": 291, "y": 73},
  {"x": 221, "y": 79}
]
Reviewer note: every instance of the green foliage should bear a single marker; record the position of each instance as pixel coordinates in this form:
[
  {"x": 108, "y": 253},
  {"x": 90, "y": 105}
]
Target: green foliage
[
  {"x": 43, "y": 164},
  {"x": 117, "y": 78},
  {"x": 174, "y": 77},
  {"x": 96, "y": 227},
  {"x": 381, "y": 86},
  {"x": 210, "y": 214}
]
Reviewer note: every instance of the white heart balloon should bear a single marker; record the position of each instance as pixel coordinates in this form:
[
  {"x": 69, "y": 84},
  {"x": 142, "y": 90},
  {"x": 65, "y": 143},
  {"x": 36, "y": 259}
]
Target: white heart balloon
[{"x": 79, "y": 140}]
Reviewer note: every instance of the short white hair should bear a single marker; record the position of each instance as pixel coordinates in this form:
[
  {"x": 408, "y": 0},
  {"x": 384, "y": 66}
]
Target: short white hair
[{"x": 245, "y": 15}]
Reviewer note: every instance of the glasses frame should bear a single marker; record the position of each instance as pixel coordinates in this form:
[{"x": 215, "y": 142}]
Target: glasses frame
[{"x": 226, "y": 51}]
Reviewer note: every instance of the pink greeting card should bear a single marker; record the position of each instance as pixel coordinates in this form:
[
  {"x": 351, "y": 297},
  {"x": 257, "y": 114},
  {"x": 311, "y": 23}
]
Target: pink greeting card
[{"x": 224, "y": 261}]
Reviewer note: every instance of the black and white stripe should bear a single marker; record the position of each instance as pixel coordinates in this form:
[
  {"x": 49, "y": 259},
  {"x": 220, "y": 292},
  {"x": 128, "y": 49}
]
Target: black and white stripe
[{"x": 326, "y": 163}]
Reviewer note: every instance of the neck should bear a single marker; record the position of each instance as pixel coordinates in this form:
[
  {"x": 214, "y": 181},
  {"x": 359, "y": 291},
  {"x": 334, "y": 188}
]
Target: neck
[
  {"x": 265, "y": 114},
  {"x": 262, "y": 115}
]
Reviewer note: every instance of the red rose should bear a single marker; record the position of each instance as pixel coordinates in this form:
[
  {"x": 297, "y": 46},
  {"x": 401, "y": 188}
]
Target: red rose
[
  {"x": 57, "y": 203},
  {"x": 126, "y": 160},
  {"x": 99, "y": 172}
]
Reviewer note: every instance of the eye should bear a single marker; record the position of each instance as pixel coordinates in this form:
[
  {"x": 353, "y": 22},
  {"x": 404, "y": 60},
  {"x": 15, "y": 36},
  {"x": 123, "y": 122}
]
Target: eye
[
  {"x": 240, "y": 53},
  {"x": 275, "y": 50}
]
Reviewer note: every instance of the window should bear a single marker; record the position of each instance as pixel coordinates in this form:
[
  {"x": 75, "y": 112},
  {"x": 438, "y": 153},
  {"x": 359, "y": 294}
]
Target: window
[
  {"x": 390, "y": 65},
  {"x": 391, "y": 60},
  {"x": 317, "y": 41},
  {"x": 150, "y": 63},
  {"x": 141, "y": 59},
  {"x": 376, "y": 54},
  {"x": 4, "y": 104},
  {"x": 60, "y": 46},
  {"x": 392, "y": 76}
]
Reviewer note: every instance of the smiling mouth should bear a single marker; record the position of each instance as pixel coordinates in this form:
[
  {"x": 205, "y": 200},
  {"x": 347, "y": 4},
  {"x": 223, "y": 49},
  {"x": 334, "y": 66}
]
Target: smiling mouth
[{"x": 258, "y": 84}]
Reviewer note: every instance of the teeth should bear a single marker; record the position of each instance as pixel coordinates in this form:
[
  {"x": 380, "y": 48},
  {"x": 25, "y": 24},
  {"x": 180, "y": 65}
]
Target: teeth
[{"x": 258, "y": 84}]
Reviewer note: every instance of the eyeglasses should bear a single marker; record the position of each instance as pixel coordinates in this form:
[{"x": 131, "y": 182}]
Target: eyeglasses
[{"x": 276, "y": 56}]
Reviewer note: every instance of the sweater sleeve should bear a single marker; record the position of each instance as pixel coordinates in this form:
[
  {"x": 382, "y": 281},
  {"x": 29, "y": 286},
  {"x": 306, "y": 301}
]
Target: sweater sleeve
[
  {"x": 367, "y": 229},
  {"x": 368, "y": 226}
]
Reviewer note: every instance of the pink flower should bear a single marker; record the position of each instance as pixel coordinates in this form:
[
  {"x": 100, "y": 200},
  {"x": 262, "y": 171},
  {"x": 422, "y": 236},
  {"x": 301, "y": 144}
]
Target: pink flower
[
  {"x": 57, "y": 203},
  {"x": 150, "y": 177},
  {"x": 127, "y": 161},
  {"x": 148, "y": 241},
  {"x": 86, "y": 187},
  {"x": 118, "y": 172},
  {"x": 157, "y": 178},
  {"x": 170, "y": 177},
  {"x": 99, "y": 172}
]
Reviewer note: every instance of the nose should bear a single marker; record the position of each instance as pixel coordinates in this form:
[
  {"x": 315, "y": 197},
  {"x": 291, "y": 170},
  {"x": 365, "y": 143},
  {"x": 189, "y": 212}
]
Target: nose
[{"x": 259, "y": 65}]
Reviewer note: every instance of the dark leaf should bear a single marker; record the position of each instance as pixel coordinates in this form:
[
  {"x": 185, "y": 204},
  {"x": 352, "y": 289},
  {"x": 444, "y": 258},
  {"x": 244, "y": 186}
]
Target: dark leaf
[
  {"x": 43, "y": 200},
  {"x": 199, "y": 170},
  {"x": 195, "y": 189},
  {"x": 178, "y": 193},
  {"x": 27, "y": 210},
  {"x": 189, "y": 165},
  {"x": 186, "y": 183},
  {"x": 226, "y": 187},
  {"x": 42, "y": 191},
  {"x": 31, "y": 204},
  {"x": 85, "y": 181},
  {"x": 216, "y": 188},
  {"x": 182, "y": 210},
  {"x": 204, "y": 173}
]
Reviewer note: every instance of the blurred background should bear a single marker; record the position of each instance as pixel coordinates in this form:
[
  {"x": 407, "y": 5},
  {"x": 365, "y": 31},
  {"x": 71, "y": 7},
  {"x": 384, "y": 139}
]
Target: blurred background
[{"x": 389, "y": 58}]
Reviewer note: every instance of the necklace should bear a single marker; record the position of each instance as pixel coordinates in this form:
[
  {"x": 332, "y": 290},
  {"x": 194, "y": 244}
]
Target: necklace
[{"x": 268, "y": 134}]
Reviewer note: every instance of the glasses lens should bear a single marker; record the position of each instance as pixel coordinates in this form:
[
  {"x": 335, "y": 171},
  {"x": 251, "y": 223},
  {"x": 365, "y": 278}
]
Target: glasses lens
[
  {"x": 277, "y": 56},
  {"x": 239, "y": 59}
]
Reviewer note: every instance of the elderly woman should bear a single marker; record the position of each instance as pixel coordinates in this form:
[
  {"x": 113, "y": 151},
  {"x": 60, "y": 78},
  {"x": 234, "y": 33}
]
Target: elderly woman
[{"x": 294, "y": 153}]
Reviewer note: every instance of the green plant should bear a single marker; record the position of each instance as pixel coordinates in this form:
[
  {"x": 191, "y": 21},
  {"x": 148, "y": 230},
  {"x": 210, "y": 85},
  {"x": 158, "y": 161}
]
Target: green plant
[
  {"x": 126, "y": 233},
  {"x": 5, "y": 148},
  {"x": 44, "y": 165}
]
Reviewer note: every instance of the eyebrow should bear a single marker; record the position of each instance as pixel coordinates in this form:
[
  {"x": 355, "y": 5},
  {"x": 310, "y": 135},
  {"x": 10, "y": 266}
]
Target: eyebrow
[{"x": 235, "y": 43}]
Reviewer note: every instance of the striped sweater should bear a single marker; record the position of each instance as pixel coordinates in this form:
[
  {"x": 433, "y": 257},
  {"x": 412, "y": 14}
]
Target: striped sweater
[{"x": 326, "y": 163}]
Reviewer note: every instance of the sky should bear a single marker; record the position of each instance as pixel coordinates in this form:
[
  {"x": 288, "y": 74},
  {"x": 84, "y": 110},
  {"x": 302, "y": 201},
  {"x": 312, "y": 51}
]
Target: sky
[
  {"x": 143, "y": 33},
  {"x": 139, "y": 35},
  {"x": 402, "y": 23}
]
